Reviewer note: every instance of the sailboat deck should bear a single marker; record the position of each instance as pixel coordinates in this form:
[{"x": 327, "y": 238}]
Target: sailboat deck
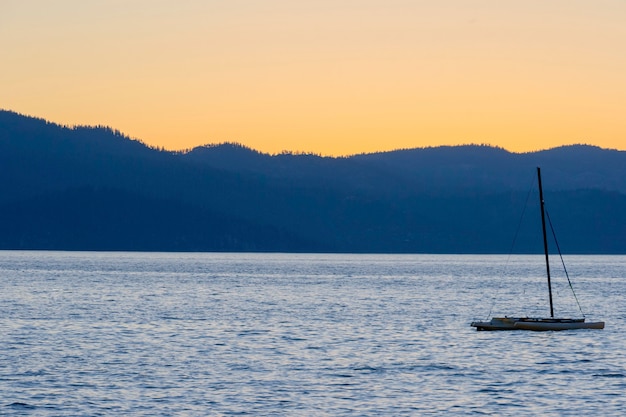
[{"x": 535, "y": 323}]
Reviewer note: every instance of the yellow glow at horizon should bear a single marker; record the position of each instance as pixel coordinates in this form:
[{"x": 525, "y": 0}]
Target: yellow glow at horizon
[{"x": 329, "y": 77}]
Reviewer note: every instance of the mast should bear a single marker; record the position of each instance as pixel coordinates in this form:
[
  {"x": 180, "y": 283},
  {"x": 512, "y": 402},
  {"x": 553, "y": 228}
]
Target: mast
[{"x": 545, "y": 239}]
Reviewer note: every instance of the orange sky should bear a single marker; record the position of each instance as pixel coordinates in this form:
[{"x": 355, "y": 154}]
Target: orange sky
[{"x": 331, "y": 77}]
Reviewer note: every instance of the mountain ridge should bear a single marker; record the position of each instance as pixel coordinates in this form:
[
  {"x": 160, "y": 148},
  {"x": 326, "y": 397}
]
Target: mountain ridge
[{"x": 229, "y": 197}]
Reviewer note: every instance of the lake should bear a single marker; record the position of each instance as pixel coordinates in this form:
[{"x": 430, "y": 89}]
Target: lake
[{"x": 193, "y": 334}]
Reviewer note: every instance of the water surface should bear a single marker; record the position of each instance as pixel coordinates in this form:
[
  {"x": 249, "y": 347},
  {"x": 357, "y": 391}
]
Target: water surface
[{"x": 89, "y": 333}]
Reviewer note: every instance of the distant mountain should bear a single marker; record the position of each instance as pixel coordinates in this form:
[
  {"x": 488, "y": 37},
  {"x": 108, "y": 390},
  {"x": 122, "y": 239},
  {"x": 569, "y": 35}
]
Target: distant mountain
[
  {"x": 92, "y": 188},
  {"x": 443, "y": 169}
]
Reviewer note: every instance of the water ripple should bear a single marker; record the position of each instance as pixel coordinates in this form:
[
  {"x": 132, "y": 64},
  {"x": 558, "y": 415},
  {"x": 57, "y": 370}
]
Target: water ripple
[{"x": 298, "y": 335}]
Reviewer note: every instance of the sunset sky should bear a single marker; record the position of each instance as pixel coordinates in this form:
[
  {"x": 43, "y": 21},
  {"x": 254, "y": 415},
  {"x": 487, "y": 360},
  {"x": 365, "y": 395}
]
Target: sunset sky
[{"x": 330, "y": 77}]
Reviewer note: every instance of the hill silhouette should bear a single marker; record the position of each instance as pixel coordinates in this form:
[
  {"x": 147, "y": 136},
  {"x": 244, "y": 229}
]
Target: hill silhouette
[{"x": 92, "y": 188}]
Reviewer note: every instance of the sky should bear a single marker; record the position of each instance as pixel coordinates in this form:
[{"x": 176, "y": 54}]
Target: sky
[{"x": 331, "y": 77}]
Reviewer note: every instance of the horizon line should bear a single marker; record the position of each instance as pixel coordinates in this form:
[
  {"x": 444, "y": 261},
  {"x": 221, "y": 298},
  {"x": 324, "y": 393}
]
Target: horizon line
[{"x": 300, "y": 152}]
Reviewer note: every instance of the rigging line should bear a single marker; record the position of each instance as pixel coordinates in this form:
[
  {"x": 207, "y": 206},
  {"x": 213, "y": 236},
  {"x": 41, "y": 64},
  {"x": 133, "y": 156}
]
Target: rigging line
[
  {"x": 563, "y": 262},
  {"x": 519, "y": 224},
  {"x": 531, "y": 188}
]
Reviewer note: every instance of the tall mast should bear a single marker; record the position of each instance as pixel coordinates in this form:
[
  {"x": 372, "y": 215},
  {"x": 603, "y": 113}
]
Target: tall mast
[{"x": 545, "y": 239}]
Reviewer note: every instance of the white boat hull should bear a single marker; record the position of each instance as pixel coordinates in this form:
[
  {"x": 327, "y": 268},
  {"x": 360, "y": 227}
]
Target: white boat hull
[{"x": 535, "y": 324}]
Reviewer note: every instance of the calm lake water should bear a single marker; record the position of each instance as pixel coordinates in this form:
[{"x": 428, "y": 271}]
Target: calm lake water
[{"x": 91, "y": 334}]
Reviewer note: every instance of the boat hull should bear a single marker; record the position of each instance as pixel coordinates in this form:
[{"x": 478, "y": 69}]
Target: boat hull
[{"x": 535, "y": 324}]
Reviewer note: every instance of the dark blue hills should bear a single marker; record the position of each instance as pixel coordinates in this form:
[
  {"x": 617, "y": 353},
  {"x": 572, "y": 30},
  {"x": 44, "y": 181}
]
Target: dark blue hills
[{"x": 92, "y": 188}]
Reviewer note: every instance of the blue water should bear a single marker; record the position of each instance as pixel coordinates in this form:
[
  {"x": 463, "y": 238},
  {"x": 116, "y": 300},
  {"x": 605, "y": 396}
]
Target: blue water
[{"x": 90, "y": 334}]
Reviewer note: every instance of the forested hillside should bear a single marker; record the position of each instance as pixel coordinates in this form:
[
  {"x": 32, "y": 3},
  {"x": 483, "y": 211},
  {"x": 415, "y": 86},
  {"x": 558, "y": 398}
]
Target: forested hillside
[{"x": 92, "y": 188}]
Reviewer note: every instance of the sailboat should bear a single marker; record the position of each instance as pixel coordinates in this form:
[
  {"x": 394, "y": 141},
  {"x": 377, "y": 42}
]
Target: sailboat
[{"x": 538, "y": 323}]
